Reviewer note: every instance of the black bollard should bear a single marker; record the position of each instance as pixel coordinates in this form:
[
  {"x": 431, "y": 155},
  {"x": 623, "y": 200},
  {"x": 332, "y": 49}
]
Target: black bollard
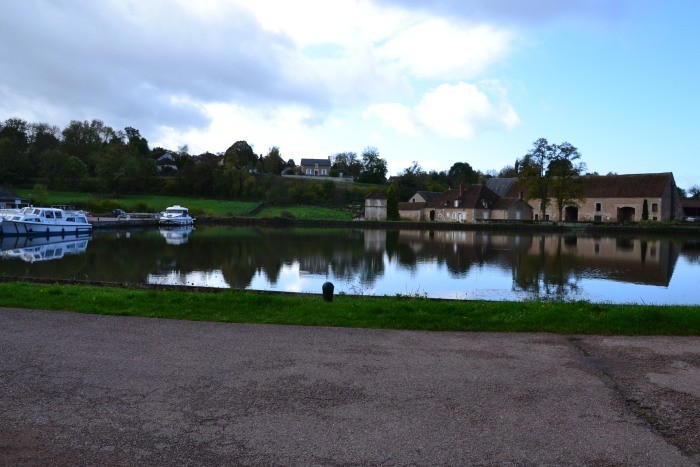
[{"x": 327, "y": 291}]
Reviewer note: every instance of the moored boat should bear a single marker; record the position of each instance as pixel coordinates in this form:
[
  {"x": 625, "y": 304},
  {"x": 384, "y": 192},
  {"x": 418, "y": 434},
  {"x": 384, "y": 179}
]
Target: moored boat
[
  {"x": 45, "y": 221},
  {"x": 175, "y": 216}
]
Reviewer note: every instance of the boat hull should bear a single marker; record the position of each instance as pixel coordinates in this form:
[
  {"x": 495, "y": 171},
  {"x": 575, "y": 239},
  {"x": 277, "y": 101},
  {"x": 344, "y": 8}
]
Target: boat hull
[
  {"x": 21, "y": 229},
  {"x": 175, "y": 221}
]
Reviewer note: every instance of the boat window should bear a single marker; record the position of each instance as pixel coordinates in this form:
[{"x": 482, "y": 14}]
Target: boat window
[
  {"x": 48, "y": 214},
  {"x": 70, "y": 219},
  {"x": 59, "y": 215}
]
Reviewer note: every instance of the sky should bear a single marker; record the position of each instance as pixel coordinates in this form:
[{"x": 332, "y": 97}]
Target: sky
[{"x": 436, "y": 82}]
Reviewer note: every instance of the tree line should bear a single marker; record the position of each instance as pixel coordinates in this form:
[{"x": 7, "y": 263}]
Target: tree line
[{"x": 93, "y": 157}]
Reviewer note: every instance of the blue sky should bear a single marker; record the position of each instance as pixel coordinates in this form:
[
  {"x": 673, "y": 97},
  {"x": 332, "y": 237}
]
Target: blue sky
[{"x": 436, "y": 82}]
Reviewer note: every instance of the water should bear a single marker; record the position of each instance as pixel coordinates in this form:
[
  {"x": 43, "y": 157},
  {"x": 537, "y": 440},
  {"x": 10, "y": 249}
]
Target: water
[{"x": 439, "y": 264}]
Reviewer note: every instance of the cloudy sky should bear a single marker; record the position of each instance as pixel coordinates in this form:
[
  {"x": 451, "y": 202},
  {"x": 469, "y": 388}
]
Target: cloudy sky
[{"x": 436, "y": 82}]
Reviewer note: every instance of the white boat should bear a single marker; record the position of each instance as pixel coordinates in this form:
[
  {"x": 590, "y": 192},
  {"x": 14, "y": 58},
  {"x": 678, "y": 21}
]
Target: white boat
[
  {"x": 7, "y": 212},
  {"x": 175, "y": 216},
  {"x": 33, "y": 249},
  {"x": 45, "y": 221}
]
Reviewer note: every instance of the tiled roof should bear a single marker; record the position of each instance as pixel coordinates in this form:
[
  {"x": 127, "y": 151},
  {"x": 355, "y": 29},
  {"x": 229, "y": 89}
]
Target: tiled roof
[
  {"x": 505, "y": 203},
  {"x": 501, "y": 186},
  {"x": 472, "y": 198},
  {"x": 598, "y": 186},
  {"x": 429, "y": 195},
  {"x": 376, "y": 194},
  {"x": 320, "y": 162},
  {"x": 411, "y": 206},
  {"x": 690, "y": 203},
  {"x": 627, "y": 186}
]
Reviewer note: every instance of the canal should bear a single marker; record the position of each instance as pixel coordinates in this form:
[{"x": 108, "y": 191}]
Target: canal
[{"x": 437, "y": 264}]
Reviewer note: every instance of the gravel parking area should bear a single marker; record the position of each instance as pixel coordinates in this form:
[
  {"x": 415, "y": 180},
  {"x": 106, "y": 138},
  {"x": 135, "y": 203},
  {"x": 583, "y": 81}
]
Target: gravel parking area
[{"x": 104, "y": 390}]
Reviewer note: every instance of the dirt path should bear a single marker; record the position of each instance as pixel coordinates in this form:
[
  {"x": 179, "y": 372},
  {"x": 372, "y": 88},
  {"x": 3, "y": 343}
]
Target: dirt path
[{"x": 101, "y": 390}]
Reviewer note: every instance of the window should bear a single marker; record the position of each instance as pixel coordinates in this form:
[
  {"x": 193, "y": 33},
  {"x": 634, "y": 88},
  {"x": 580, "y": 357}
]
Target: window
[
  {"x": 598, "y": 207},
  {"x": 323, "y": 172},
  {"x": 308, "y": 171},
  {"x": 654, "y": 207}
]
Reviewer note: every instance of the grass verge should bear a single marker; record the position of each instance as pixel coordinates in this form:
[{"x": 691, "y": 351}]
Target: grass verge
[
  {"x": 234, "y": 306},
  {"x": 306, "y": 212}
]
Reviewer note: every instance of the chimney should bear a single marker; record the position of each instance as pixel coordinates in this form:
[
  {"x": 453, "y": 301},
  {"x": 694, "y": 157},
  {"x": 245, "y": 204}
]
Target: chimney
[{"x": 461, "y": 189}]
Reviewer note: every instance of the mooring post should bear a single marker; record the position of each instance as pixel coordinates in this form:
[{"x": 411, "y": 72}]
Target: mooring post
[{"x": 327, "y": 291}]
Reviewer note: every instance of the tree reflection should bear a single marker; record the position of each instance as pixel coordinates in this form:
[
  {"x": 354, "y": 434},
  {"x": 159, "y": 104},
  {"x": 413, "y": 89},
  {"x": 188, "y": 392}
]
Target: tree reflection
[{"x": 541, "y": 265}]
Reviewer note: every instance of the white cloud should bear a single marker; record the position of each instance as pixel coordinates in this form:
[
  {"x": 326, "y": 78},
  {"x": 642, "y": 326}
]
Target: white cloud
[
  {"x": 451, "y": 110},
  {"x": 436, "y": 48}
]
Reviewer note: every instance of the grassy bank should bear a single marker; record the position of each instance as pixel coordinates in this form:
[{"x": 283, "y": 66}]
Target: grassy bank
[
  {"x": 306, "y": 212},
  {"x": 148, "y": 203},
  {"x": 362, "y": 312}
]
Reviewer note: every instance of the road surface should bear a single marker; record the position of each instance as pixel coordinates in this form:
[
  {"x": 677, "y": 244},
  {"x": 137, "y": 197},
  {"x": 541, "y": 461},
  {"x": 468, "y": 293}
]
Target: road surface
[{"x": 106, "y": 390}]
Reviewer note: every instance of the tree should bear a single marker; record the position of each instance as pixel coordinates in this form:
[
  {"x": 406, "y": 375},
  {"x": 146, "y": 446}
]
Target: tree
[
  {"x": 14, "y": 141},
  {"x": 534, "y": 173},
  {"x": 84, "y": 141},
  {"x": 551, "y": 171},
  {"x": 694, "y": 192},
  {"x": 645, "y": 210},
  {"x": 373, "y": 167},
  {"x": 410, "y": 180},
  {"x": 508, "y": 171},
  {"x": 273, "y": 162},
  {"x": 462, "y": 172},
  {"x": 347, "y": 163},
  {"x": 240, "y": 155},
  {"x": 135, "y": 142},
  {"x": 567, "y": 176},
  {"x": 392, "y": 205}
]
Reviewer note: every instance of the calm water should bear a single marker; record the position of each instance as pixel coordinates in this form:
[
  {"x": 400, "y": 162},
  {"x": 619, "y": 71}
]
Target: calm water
[{"x": 445, "y": 264}]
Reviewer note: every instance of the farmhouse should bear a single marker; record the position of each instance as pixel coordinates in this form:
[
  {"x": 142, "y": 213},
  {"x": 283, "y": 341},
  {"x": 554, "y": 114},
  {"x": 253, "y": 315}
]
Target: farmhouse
[
  {"x": 316, "y": 167},
  {"x": 622, "y": 198},
  {"x": 609, "y": 198},
  {"x": 467, "y": 204}
]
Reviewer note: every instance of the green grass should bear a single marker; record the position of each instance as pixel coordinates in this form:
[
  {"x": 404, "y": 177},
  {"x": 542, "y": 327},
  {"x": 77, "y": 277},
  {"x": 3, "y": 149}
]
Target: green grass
[
  {"x": 361, "y": 312},
  {"x": 306, "y": 212},
  {"x": 199, "y": 206}
]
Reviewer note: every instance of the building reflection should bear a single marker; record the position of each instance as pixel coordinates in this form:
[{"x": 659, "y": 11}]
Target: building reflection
[
  {"x": 545, "y": 264},
  {"x": 538, "y": 264}
]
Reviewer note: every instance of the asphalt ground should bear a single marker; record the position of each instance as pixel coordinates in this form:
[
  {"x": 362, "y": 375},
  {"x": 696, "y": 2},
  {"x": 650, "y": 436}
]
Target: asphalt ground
[{"x": 81, "y": 389}]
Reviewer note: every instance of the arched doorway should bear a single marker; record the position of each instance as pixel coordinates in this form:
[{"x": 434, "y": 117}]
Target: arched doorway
[
  {"x": 432, "y": 214},
  {"x": 571, "y": 214},
  {"x": 625, "y": 214}
]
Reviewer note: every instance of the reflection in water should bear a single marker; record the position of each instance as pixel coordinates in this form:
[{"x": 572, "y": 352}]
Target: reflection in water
[
  {"x": 176, "y": 235},
  {"x": 448, "y": 264},
  {"x": 47, "y": 248}
]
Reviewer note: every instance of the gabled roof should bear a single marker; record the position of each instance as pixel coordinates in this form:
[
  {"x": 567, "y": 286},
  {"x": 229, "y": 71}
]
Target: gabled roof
[
  {"x": 627, "y": 186},
  {"x": 429, "y": 195},
  {"x": 376, "y": 194},
  {"x": 320, "y": 162},
  {"x": 505, "y": 203},
  {"x": 410, "y": 206},
  {"x": 599, "y": 186},
  {"x": 501, "y": 186},
  {"x": 471, "y": 197}
]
